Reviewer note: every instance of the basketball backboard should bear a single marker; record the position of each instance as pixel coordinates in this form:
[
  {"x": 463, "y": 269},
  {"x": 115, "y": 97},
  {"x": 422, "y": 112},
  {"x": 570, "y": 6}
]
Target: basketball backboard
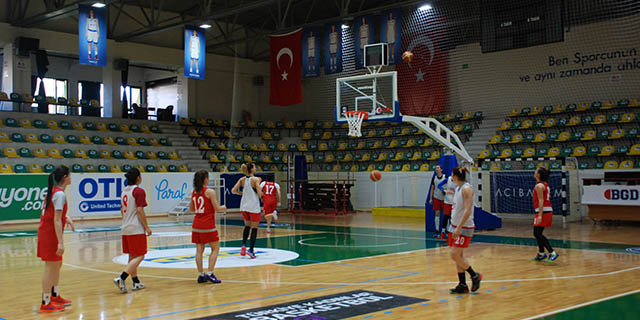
[{"x": 374, "y": 93}]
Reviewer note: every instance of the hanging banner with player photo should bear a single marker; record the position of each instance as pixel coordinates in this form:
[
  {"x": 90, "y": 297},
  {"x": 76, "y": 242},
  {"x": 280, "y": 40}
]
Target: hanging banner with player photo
[
  {"x": 391, "y": 33},
  {"x": 333, "y": 48},
  {"x": 92, "y": 35},
  {"x": 311, "y": 52},
  {"x": 363, "y": 35},
  {"x": 194, "y": 53}
]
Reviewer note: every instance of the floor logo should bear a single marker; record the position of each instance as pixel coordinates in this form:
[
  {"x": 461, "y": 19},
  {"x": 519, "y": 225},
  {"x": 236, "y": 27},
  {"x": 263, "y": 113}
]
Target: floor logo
[
  {"x": 229, "y": 257},
  {"x": 633, "y": 250}
]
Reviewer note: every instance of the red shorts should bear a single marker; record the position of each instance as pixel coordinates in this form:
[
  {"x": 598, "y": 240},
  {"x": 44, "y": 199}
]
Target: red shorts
[
  {"x": 48, "y": 245},
  {"x": 447, "y": 209},
  {"x": 460, "y": 242},
  {"x": 135, "y": 245},
  {"x": 438, "y": 204},
  {"x": 204, "y": 237},
  {"x": 250, "y": 216},
  {"x": 547, "y": 220},
  {"x": 270, "y": 207}
]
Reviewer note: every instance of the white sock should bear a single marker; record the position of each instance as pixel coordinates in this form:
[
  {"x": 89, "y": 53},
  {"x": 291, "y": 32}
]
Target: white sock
[
  {"x": 210, "y": 273},
  {"x": 202, "y": 274},
  {"x": 55, "y": 292},
  {"x": 553, "y": 253},
  {"x": 46, "y": 298}
]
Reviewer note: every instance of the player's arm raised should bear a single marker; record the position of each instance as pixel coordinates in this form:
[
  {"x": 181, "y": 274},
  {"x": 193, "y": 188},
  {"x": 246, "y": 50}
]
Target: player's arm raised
[{"x": 236, "y": 188}]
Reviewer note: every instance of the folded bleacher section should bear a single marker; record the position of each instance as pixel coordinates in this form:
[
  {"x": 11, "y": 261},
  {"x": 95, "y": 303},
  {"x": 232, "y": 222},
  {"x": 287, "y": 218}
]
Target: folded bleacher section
[
  {"x": 384, "y": 146},
  {"x": 601, "y": 135}
]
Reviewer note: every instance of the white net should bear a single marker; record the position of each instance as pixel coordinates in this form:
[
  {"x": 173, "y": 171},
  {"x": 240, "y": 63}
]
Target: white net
[
  {"x": 512, "y": 192},
  {"x": 354, "y": 119}
]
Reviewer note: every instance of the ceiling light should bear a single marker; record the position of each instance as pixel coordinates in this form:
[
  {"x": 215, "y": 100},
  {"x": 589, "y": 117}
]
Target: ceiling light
[
  {"x": 205, "y": 26},
  {"x": 425, "y": 7},
  {"x": 98, "y": 5}
]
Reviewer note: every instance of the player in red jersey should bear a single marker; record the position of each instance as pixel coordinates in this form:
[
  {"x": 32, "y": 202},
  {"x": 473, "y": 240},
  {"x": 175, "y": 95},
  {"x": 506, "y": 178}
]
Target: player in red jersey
[
  {"x": 204, "y": 204},
  {"x": 50, "y": 239},
  {"x": 543, "y": 214},
  {"x": 271, "y": 200},
  {"x": 135, "y": 229}
]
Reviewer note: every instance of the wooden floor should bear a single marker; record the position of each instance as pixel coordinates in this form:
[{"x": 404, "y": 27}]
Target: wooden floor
[{"x": 336, "y": 255}]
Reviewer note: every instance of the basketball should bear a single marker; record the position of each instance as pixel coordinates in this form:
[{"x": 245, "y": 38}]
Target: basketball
[
  {"x": 407, "y": 57},
  {"x": 375, "y": 175}
]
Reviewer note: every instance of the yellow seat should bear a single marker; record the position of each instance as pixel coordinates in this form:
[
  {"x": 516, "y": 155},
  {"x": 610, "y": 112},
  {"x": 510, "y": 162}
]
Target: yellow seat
[
  {"x": 564, "y": 136},
  {"x": 270, "y": 124},
  {"x": 609, "y": 104},
  {"x": 448, "y": 117},
  {"x": 388, "y": 167},
  {"x": 579, "y": 151},
  {"x": 387, "y": 133},
  {"x": 540, "y": 137},
  {"x": 174, "y": 156},
  {"x": 542, "y": 165},
  {"x": 151, "y": 155},
  {"x": 583, "y": 106},
  {"x": 427, "y": 142},
  {"x": 139, "y": 167},
  {"x": 424, "y": 167},
  {"x": 31, "y": 137},
  {"x": 81, "y": 154},
  {"x": 571, "y": 165},
  {"x": 85, "y": 140},
  {"x": 411, "y": 143},
  {"x": 109, "y": 140},
  {"x": 40, "y": 153},
  {"x": 58, "y": 138},
  {"x": 526, "y": 124},
  {"x": 129, "y": 155},
  {"x": 55, "y": 153},
  {"x": 550, "y": 122},
  {"x": 303, "y": 147},
  {"x": 185, "y": 121},
  {"x": 326, "y": 135},
  {"x": 161, "y": 168},
  {"x": 223, "y": 168},
  {"x": 308, "y": 157},
  {"x": 132, "y": 141},
  {"x": 506, "y": 153},
  {"x": 574, "y": 121},
  {"x": 101, "y": 126},
  {"x": 342, "y": 146},
  {"x": 589, "y": 135},
  {"x": 393, "y": 144},
  {"x": 77, "y": 125},
  {"x": 115, "y": 168},
  {"x": 5, "y": 168},
  {"x": 505, "y": 125},
  {"x": 35, "y": 168},
  {"x": 377, "y": 144},
  {"x": 210, "y": 133},
  {"x": 610, "y": 165},
  {"x": 282, "y": 147},
  {"x": 406, "y": 167},
  {"x": 467, "y": 115},
  {"x": 26, "y": 123},
  {"x": 599, "y": 119},
  {"x": 366, "y": 157},
  {"x": 307, "y": 135},
  {"x": 246, "y": 158},
  {"x": 434, "y": 156},
  {"x": 329, "y": 158},
  {"x": 626, "y": 164},
  {"x": 194, "y": 133},
  {"x": 517, "y": 138},
  {"x": 536, "y": 110},
  {"x": 10, "y": 152},
  {"x": 381, "y": 157},
  {"x": 52, "y": 124},
  {"x": 635, "y": 150},
  {"x": 214, "y": 158},
  {"x": 495, "y": 166},
  {"x": 617, "y": 134},
  {"x": 560, "y": 108},
  {"x": 484, "y": 154},
  {"x": 105, "y": 154},
  {"x": 204, "y": 146},
  {"x": 495, "y": 139},
  {"x": 266, "y": 135},
  {"x": 458, "y": 128},
  {"x": 553, "y": 152},
  {"x": 154, "y": 142},
  {"x": 635, "y": 102},
  {"x": 627, "y": 117},
  {"x": 4, "y": 137},
  {"x": 262, "y": 147},
  {"x": 336, "y": 168},
  {"x": 529, "y": 153},
  {"x": 289, "y": 125},
  {"x": 221, "y": 146},
  {"x": 607, "y": 151},
  {"x": 514, "y": 112},
  {"x": 309, "y": 124},
  {"x": 405, "y": 131},
  {"x": 323, "y": 146}
]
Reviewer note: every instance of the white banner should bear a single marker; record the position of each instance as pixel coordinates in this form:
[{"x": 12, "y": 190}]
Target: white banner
[
  {"x": 168, "y": 189},
  {"x": 95, "y": 194},
  {"x": 612, "y": 195}
]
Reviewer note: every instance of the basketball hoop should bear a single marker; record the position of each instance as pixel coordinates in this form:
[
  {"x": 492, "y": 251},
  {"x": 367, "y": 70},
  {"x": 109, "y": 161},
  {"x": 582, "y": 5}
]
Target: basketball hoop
[{"x": 355, "y": 118}]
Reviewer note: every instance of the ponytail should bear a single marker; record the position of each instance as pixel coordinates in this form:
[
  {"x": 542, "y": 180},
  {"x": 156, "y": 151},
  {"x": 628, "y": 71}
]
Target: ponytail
[
  {"x": 246, "y": 168},
  {"x": 198, "y": 180},
  {"x": 460, "y": 172},
  {"x": 55, "y": 177},
  {"x": 132, "y": 176}
]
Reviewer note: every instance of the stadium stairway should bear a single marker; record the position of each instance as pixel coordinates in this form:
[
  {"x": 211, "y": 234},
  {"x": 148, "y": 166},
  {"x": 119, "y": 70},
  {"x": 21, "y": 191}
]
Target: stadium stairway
[
  {"x": 478, "y": 140},
  {"x": 184, "y": 146}
]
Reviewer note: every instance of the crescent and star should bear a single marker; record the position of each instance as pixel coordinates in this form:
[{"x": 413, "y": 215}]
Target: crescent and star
[{"x": 282, "y": 52}]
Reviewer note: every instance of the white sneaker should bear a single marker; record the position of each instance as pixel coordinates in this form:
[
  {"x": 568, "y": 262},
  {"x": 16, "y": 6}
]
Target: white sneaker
[
  {"x": 138, "y": 286},
  {"x": 120, "y": 284},
  {"x": 275, "y": 215}
]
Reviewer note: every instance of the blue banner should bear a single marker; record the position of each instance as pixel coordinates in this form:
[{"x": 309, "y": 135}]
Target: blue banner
[
  {"x": 194, "y": 53},
  {"x": 512, "y": 192},
  {"x": 391, "y": 33},
  {"x": 333, "y": 48},
  {"x": 230, "y": 180},
  {"x": 92, "y": 35},
  {"x": 311, "y": 52},
  {"x": 363, "y": 35}
]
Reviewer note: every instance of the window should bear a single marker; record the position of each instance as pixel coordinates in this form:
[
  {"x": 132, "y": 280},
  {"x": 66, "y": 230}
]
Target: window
[
  {"x": 133, "y": 95},
  {"x": 56, "y": 88}
]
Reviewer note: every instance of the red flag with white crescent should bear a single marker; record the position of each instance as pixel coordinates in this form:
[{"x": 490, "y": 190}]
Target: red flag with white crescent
[
  {"x": 422, "y": 84},
  {"x": 286, "y": 69}
]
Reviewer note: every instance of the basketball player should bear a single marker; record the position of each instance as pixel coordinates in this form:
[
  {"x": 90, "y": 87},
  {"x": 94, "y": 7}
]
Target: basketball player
[
  {"x": 333, "y": 48},
  {"x": 391, "y": 35},
  {"x": 364, "y": 37},
  {"x": 93, "y": 34},
  {"x": 194, "y": 45},
  {"x": 461, "y": 230},
  {"x": 544, "y": 214},
  {"x": 271, "y": 200},
  {"x": 135, "y": 229},
  {"x": 436, "y": 197},
  {"x": 311, "y": 51},
  {"x": 449, "y": 189},
  {"x": 249, "y": 205},
  {"x": 204, "y": 204},
  {"x": 50, "y": 239}
]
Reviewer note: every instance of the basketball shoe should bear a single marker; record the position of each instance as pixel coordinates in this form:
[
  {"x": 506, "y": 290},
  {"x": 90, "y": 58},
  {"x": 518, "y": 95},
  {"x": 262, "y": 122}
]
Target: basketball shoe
[
  {"x": 460, "y": 288},
  {"x": 552, "y": 257},
  {"x": 539, "y": 257},
  {"x": 243, "y": 251},
  {"x": 251, "y": 254},
  {"x": 475, "y": 282},
  {"x": 212, "y": 278},
  {"x": 120, "y": 284},
  {"x": 51, "y": 308},
  {"x": 138, "y": 286},
  {"x": 60, "y": 301}
]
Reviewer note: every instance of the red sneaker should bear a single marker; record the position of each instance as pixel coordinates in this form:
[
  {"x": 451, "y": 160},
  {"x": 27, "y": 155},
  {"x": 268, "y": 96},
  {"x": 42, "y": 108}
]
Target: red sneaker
[
  {"x": 61, "y": 301},
  {"x": 51, "y": 308},
  {"x": 243, "y": 251}
]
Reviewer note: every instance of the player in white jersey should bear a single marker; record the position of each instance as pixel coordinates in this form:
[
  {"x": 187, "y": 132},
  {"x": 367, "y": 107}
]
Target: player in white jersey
[
  {"x": 93, "y": 34},
  {"x": 311, "y": 51},
  {"x": 364, "y": 37},
  {"x": 135, "y": 229},
  {"x": 194, "y": 48},
  {"x": 249, "y": 205},
  {"x": 333, "y": 48},
  {"x": 461, "y": 230},
  {"x": 391, "y": 35}
]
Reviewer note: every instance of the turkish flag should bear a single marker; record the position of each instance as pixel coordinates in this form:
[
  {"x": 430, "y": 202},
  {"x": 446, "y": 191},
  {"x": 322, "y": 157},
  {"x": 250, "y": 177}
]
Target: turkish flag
[
  {"x": 286, "y": 69},
  {"x": 422, "y": 83}
]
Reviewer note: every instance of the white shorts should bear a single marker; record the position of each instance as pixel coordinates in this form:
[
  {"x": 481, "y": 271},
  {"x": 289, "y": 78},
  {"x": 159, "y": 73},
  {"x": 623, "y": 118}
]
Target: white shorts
[
  {"x": 311, "y": 53},
  {"x": 363, "y": 42},
  {"x": 333, "y": 48},
  {"x": 93, "y": 37}
]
